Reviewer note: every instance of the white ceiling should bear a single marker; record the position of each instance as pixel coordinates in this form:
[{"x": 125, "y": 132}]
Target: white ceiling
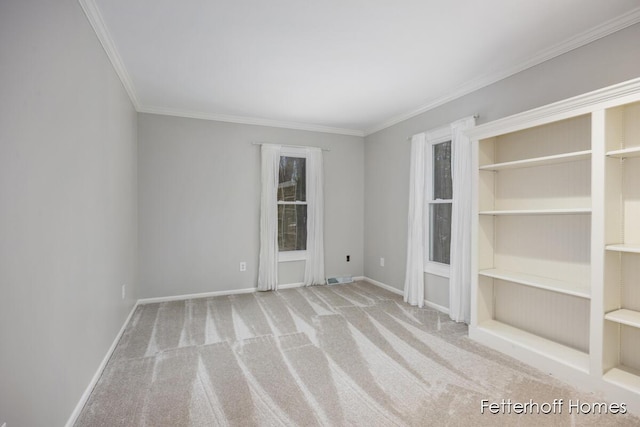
[{"x": 345, "y": 66}]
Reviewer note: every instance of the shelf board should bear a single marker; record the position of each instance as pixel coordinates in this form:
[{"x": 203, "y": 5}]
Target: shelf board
[
  {"x": 624, "y": 317},
  {"x": 627, "y": 378},
  {"x": 539, "y": 161},
  {"x": 625, "y": 152},
  {"x": 539, "y": 282},
  {"x": 536, "y": 344},
  {"x": 573, "y": 211},
  {"x": 624, "y": 247}
]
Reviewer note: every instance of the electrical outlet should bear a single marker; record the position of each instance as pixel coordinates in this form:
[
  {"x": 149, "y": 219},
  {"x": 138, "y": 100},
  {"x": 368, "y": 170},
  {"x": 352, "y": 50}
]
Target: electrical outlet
[
  {"x": 243, "y": 266},
  {"x": 124, "y": 291},
  {"x": 381, "y": 262},
  {"x": 348, "y": 258}
]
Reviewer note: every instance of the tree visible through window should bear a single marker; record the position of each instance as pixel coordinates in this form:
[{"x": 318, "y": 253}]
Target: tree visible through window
[
  {"x": 440, "y": 204},
  {"x": 292, "y": 204}
]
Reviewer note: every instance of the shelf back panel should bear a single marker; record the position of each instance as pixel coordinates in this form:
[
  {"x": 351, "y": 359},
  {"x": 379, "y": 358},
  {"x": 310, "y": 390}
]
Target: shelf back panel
[
  {"x": 554, "y": 246},
  {"x": 560, "y": 318}
]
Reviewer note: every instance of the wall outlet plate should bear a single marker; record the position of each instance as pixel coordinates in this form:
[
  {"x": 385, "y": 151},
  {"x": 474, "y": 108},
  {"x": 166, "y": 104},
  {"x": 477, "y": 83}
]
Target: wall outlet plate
[
  {"x": 381, "y": 262},
  {"x": 243, "y": 266}
]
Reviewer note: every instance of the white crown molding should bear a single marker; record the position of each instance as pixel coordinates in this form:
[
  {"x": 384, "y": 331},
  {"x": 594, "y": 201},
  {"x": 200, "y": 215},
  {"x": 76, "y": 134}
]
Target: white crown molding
[
  {"x": 94, "y": 16},
  {"x": 606, "y": 28},
  {"x": 607, "y": 97},
  {"x": 250, "y": 121}
]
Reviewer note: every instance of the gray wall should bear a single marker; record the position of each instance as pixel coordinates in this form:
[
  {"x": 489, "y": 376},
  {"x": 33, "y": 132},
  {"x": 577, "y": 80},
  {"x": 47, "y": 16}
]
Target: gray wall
[
  {"x": 199, "y": 204},
  {"x": 67, "y": 209},
  {"x": 610, "y": 60}
]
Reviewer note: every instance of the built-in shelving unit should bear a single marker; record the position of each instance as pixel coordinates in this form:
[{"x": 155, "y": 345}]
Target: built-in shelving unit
[
  {"x": 539, "y": 161},
  {"x": 624, "y": 317},
  {"x": 635, "y": 249},
  {"x": 621, "y": 352},
  {"x": 573, "y": 211},
  {"x": 576, "y": 289},
  {"x": 557, "y": 239},
  {"x": 625, "y": 153}
]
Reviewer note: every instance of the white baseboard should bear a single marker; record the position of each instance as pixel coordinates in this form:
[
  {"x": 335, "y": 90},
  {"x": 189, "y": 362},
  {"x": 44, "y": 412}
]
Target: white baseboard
[
  {"x": 85, "y": 396},
  {"x": 290, "y": 286},
  {"x": 429, "y": 304},
  {"x": 383, "y": 286},
  {"x": 143, "y": 301},
  {"x": 435, "y": 306},
  {"x": 154, "y": 300}
]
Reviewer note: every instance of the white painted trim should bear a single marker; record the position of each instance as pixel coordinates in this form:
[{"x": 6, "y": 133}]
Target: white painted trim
[
  {"x": 435, "y": 306},
  {"x": 154, "y": 300},
  {"x": 290, "y": 256},
  {"x": 609, "y": 27},
  {"x": 617, "y": 94},
  {"x": 383, "y": 286},
  {"x": 292, "y": 285},
  {"x": 429, "y": 304},
  {"x": 437, "y": 269},
  {"x": 94, "y": 16},
  {"x": 249, "y": 121},
  {"x": 85, "y": 396}
]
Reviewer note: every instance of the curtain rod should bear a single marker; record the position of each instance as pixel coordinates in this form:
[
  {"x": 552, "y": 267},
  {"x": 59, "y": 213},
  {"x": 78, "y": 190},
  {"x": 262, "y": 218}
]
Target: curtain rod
[
  {"x": 293, "y": 146},
  {"x": 475, "y": 116}
]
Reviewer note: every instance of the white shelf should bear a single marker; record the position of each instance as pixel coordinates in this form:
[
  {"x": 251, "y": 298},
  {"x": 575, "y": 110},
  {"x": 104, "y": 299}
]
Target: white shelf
[
  {"x": 624, "y": 317},
  {"x": 539, "y": 161},
  {"x": 624, "y": 377},
  {"x": 624, "y": 153},
  {"x": 567, "y": 288},
  {"x": 551, "y": 349},
  {"x": 573, "y": 211},
  {"x": 623, "y": 247}
]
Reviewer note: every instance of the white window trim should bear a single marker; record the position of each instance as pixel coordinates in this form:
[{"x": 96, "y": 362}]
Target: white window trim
[
  {"x": 434, "y": 137},
  {"x": 289, "y": 256}
]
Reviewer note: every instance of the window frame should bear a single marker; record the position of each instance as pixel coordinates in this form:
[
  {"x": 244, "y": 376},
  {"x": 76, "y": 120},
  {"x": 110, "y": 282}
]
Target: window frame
[
  {"x": 289, "y": 256},
  {"x": 434, "y": 137}
]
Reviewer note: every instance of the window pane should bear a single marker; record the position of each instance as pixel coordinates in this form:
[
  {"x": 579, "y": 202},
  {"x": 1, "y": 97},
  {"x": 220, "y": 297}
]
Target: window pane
[
  {"x": 442, "y": 185},
  {"x": 440, "y": 233},
  {"x": 292, "y": 227},
  {"x": 292, "y": 179}
]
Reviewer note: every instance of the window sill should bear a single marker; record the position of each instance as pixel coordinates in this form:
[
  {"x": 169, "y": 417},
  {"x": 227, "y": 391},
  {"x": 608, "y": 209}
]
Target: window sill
[
  {"x": 437, "y": 269},
  {"x": 289, "y": 256}
]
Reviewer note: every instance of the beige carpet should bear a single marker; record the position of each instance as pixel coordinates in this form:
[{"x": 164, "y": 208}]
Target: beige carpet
[{"x": 328, "y": 355}]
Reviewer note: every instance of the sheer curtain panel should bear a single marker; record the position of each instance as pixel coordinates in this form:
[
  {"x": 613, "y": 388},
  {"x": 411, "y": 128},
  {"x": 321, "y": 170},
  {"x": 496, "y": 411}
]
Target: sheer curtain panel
[
  {"x": 268, "y": 268},
  {"x": 414, "y": 276},
  {"x": 314, "y": 267},
  {"x": 460, "y": 279}
]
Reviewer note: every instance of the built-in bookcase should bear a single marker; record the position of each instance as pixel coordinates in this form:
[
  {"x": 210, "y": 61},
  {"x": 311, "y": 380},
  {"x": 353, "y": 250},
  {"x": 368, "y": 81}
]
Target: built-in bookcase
[
  {"x": 622, "y": 238},
  {"x": 557, "y": 239},
  {"x": 534, "y": 206}
]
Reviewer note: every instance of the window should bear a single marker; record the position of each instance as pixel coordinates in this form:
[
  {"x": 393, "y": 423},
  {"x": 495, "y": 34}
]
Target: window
[
  {"x": 439, "y": 203},
  {"x": 292, "y": 205}
]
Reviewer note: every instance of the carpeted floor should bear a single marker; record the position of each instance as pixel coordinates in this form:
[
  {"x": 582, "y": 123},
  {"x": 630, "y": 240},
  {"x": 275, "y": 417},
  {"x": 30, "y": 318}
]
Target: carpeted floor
[{"x": 328, "y": 355}]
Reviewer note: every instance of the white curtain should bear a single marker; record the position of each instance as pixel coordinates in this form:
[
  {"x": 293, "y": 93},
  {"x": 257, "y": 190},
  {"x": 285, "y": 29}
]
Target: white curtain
[
  {"x": 314, "y": 266},
  {"x": 414, "y": 276},
  {"x": 461, "y": 172},
  {"x": 268, "y": 268}
]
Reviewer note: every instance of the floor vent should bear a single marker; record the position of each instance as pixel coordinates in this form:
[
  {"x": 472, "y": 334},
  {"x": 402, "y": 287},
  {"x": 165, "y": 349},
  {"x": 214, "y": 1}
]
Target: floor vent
[{"x": 339, "y": 280}]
